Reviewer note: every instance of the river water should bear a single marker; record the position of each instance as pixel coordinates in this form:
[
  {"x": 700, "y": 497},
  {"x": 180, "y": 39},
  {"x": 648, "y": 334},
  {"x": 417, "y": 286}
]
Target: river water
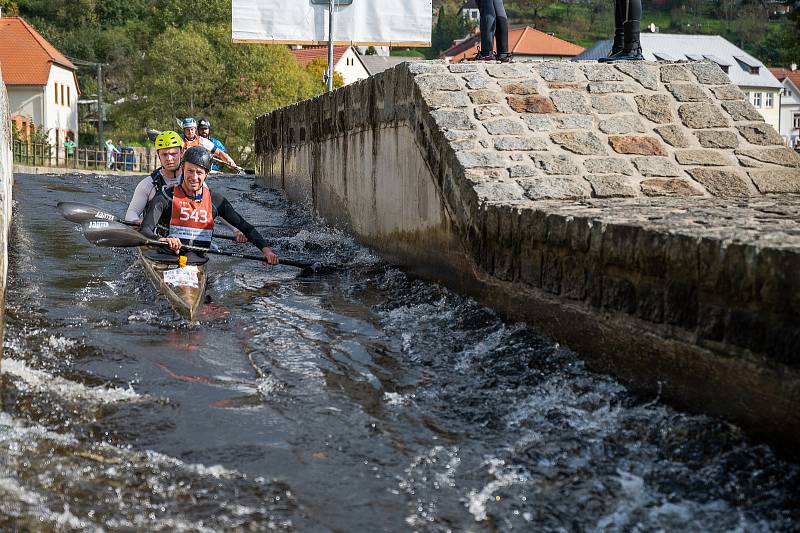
[{"x": 358, "y": 400}]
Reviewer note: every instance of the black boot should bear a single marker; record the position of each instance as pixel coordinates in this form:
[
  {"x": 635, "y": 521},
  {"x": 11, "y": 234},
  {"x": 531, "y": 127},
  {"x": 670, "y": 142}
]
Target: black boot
[
  {"x": 616, "y": 47},
  {"x": 631, "y": 48}
]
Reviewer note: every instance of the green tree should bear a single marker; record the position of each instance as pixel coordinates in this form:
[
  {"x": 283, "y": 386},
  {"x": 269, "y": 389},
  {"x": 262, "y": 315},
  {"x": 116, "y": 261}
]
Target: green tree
[
  {"x": 448, "y": 28},
  {"x": 317, "y": 69}
]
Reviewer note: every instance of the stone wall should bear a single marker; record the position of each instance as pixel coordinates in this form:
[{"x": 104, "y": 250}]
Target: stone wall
[
  {"x": 6, "y": 182},
  {"x": 641, "y": 213}
]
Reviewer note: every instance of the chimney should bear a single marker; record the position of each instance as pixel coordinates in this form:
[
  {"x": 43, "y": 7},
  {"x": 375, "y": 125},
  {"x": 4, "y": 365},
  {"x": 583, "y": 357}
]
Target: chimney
[{"x": 793, "y": 67}]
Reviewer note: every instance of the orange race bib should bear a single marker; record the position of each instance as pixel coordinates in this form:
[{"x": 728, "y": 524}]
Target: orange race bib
[{"x": 192, "y": 222}]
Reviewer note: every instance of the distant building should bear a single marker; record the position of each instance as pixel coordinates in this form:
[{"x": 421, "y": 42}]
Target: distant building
[
  {"x": 790, "y": 103},
  {"x": 526, "y": 43},
  {"x": 377, "y": 64},
  {"x": 470, "y": 10},
  {"x": 41, "y": 82},
  {"x": 346, "y": 60},
  {"x": 745, "y": 71}
]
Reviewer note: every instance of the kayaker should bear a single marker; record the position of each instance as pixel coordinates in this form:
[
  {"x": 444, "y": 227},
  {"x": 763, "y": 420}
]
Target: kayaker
[
  {"x": 189, "y": 209},
  {"x": 190, "y": 138},
  {"x": 204, "y": 130},
  {"x": 169, "y": 148}
]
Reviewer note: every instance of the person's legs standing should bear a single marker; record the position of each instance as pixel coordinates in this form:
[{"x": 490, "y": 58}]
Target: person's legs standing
[
  {"x": 488, "y": 25},
  {"x": 627, "y": 17},
  {"x": 631, "y": 46},
  {"x": 502, "y": 29}
]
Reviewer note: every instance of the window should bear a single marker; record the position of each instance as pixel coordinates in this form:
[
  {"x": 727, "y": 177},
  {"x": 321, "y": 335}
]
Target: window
[
  {"x": 55, "y": 91},
  {"x": 757, "y": 100},
  {"x": 62, "y": 95},
  {"x": 69, "y": 98},
  {"x": 796, "y": 121},
  {"x": 768, "y": 100}
]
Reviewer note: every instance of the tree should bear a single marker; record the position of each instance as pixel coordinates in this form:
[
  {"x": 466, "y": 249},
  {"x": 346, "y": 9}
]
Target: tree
[
  {"x": 751, "y": 24},
  {"x": 535, "y": 5},
  {"x": 449, "y": 28},
  {"x": 317, "y": 69}
]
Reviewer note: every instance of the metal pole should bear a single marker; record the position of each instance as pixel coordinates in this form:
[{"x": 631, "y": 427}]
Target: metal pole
[
  {"x": 100, "y": 107},
  {"x": 330, "y": 46}
]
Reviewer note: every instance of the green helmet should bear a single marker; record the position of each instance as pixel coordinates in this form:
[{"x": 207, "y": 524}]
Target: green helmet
[
  {"x": 168, "y": 139},
  {"x": 199, "y": 156}
]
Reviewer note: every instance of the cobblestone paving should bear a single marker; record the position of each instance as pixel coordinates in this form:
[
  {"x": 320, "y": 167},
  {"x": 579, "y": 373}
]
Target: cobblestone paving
[{"x": 678, "y": 129}]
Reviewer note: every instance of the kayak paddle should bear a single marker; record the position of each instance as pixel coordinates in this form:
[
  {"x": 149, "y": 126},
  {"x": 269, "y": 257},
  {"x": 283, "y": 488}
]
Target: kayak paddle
[
  {"x": 112, "y": 234},
  {"x": 80, "y": 213}
]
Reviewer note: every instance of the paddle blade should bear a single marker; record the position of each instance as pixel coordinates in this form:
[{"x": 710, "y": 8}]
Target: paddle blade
[
  {"x": 78, "y": 212},
  {"x": 108, "y": 233}
]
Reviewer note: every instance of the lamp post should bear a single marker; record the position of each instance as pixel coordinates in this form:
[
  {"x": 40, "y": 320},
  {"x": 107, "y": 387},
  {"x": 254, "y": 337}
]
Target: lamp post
[{"x": 332, "y": 4}]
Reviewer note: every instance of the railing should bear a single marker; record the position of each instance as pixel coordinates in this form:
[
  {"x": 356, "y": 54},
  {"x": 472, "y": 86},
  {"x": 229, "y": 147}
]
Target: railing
[{"x": 83, "y": 158}]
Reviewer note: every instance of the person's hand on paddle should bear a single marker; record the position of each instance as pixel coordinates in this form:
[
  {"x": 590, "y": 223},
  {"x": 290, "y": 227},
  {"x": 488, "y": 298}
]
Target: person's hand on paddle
[
  {"x": 269, "y": 256},
  {"x": 239, "y": 237},
  {"x": 174, "y": 243}
]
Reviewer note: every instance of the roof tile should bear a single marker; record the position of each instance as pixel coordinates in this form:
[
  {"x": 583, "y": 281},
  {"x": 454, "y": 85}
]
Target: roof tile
[
  {"x": 522, "y": 41},
  {"x": 27, "y": 57},
  {"x": 306, "y": 55}
]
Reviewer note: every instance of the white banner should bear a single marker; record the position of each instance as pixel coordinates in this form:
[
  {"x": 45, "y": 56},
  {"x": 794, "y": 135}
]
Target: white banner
[{"x": 364, "y": 22}]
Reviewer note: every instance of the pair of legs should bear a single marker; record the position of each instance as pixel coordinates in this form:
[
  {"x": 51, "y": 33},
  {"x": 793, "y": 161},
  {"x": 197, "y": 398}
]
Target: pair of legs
[
  {"x": 494, "y": 23},
  {"x": 627, "y": 21}
]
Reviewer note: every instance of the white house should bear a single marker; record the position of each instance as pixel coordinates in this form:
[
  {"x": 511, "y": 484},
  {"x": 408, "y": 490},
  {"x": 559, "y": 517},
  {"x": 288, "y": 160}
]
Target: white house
[
  {"x": 790, "y": 104},
  {"x": 470, "y": 10},
  {"x": 346, "y": 60},
  {"x": 41, "y": 82},
  {"x": 745, "y": 71}
]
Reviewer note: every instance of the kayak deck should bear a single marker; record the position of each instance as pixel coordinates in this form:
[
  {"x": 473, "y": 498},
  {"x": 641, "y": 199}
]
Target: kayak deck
[{"x": 184, "y": 288}]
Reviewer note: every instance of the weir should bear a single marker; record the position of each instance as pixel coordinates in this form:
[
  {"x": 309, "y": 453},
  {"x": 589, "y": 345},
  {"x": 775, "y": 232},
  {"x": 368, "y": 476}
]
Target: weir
[{"x": 641, "y": 213}]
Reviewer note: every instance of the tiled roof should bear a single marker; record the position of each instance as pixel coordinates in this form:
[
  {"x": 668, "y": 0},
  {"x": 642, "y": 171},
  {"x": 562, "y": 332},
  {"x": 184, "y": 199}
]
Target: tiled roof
[
  {"x": 676, "y": 47},
  {"x": 308, "y": 54},
  {"x": 376, "y": 64},
  {"x": 522, "y": 41},
  {"x": 25, "y": 55},
  {"x": 783, "y": 73}
]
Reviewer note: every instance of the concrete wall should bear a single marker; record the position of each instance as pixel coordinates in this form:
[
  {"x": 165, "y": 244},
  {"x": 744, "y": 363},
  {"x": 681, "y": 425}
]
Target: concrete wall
[
  {"x": 28, "y": 102},
  {"x": 6, "y": 182},
  {"x": 642, "y": 214}
]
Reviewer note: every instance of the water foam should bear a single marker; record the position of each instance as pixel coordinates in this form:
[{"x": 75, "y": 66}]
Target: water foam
[{"x": 42, "y": 381}]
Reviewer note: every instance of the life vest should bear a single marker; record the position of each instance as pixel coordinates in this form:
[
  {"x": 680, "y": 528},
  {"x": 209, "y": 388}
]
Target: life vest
[
  {"x": 192, "y": 221},
  {"x": 194, "y": 142},
  {"x": 158, "y": 180}
]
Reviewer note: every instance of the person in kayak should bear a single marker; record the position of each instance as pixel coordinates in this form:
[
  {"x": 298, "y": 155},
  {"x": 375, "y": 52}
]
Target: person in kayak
[
  {"x": 189, "y": 209},
  {"x": 169, "y": 148},
  {"x": 190, "y": 138},
  {"x": 204, "y": 131}
]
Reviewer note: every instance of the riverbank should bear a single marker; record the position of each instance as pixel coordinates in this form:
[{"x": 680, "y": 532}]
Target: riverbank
[{"x": 28, "y": 169}]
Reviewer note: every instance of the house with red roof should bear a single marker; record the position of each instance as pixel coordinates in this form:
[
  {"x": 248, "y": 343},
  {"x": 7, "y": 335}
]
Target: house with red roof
[
  {"x": 526, "y": 43},
  {"x": 789, "y": 122},
  {"x": 41, "y": 82},
  {"x": 346, "y": 61}
]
